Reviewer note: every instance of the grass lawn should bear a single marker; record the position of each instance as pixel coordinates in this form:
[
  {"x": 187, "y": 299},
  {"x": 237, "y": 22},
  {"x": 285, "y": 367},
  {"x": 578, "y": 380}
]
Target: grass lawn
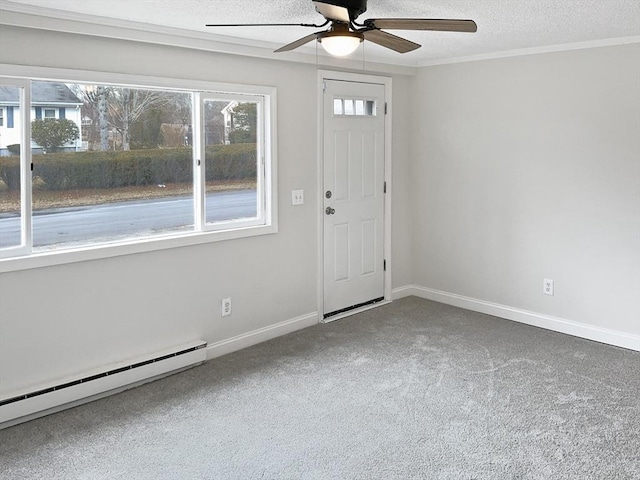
[{"x": 43, "y": 199}]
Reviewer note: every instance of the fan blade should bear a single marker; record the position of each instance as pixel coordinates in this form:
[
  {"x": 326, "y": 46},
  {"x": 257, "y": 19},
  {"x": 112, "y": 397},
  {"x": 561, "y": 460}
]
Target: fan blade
[
  {"x": 399, "y": 44},
  {"x": 332, "y": 12},
  {"x": 266, "y": 24},
  {"x": 423, "y": 24},
  {"x": 297, "y": 43}
]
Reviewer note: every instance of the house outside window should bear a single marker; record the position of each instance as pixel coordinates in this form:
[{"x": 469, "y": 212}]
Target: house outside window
[{"x": 48, "y": 100}]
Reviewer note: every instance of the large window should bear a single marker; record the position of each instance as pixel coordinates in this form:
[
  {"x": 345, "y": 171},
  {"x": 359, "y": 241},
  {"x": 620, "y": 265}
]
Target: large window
[{"x": 120, "y": 164}]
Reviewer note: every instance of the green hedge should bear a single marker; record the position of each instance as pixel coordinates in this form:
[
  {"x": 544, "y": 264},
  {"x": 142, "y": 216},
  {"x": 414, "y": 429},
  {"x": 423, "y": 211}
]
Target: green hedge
[
  {"x": 10, "y": 172},
  {"x": 231, "y": 162},
  {"x": 65, "y": 171}
]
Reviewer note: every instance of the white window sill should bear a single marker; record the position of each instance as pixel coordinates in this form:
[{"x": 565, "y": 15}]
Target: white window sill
[{"x": 149, "y": 244}]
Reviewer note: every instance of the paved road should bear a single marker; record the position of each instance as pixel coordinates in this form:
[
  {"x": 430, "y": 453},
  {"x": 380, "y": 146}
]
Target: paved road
[{"x": 125, "y": 219}]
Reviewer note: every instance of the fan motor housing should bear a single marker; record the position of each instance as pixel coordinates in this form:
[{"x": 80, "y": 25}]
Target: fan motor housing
[{"x": 355, "y": 7}]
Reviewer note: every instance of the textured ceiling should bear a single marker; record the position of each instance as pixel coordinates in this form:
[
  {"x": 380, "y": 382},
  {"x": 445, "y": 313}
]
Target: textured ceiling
[{"x": 503, "y": 25}]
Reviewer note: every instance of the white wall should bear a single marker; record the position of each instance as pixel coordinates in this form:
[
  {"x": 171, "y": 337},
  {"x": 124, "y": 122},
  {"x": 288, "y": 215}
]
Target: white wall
[
  {"x": 529, "y": 168},
  {"x": 401, "y": 194},
  {"x": 64, "y": 320},
  {"x": 505, "y": 172}
]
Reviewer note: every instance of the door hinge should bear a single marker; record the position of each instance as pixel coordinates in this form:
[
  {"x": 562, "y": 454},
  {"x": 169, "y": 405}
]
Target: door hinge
[
  {"x": 384, "y": 265},
  {"x": 385, "y": 108},
  {"x": 324, "y": 86},
  {"x": 32, "y": 167},
  {"x": 198, "y": 162},
  {"x": 385, "y": 187}
]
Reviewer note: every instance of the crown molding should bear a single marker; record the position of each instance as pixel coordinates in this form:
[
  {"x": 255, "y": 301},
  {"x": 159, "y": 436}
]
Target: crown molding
[{"x": 534, "y": 51}]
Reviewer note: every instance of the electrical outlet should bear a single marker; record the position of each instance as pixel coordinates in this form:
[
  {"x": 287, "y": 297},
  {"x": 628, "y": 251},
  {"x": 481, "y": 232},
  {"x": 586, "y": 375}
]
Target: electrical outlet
[
  {"x": 226, "y": 307},
  {"x": 548, "y": 286},
  {"x": 297, "y": 197}
]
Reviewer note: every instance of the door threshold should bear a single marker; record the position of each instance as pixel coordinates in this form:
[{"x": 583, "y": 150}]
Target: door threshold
[{"x": 361, "y": 307}]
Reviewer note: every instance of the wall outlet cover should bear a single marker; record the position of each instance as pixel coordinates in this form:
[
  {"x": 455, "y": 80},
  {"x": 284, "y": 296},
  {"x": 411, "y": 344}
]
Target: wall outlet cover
[
  {"x": 548, "y": 286},
  {"x": 225, "y": 307}
]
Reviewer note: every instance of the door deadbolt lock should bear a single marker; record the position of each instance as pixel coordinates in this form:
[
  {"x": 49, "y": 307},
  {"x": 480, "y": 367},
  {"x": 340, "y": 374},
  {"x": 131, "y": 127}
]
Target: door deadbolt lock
[
  {"x": 328, "y": 194},
  {"x": 330, "y": 211}
]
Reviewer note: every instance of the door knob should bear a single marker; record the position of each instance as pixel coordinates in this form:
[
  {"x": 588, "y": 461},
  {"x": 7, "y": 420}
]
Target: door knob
[{"x": 330, "y": 211}]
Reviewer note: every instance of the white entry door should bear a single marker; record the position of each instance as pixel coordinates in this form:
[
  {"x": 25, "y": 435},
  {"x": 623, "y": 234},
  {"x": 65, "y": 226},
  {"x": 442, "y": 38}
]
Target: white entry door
[{"x": 354, "y": 189}]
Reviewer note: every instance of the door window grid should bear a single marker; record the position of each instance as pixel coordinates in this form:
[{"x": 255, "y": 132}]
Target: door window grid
[{"x": 356, "y": 107}]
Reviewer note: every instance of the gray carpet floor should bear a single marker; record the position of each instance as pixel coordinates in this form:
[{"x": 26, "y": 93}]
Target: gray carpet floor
[{"x": 410, "y": 390}]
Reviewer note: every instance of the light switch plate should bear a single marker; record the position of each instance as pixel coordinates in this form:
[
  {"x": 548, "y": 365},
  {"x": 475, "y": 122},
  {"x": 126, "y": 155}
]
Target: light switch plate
[{"x": 297, "y": 197}]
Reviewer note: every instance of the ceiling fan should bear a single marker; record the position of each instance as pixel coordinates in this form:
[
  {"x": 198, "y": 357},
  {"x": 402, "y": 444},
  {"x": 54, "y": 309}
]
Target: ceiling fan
[{"x": 344, "y": 33}]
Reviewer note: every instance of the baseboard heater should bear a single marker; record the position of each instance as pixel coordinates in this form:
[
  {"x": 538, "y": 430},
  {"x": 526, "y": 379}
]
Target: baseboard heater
[{"x": 96, "y": 385}]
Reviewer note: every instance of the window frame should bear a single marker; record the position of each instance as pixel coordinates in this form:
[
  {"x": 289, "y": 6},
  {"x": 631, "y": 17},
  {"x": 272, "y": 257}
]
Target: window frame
[
  {"x": 201, "y": 212},
  {"x": 26, "y": 234},
  {"x": 12, "y": 260}
]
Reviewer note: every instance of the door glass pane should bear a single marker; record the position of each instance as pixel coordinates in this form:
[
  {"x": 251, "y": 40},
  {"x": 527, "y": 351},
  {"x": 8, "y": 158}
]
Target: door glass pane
[
  {"x": 231, "y": 146},
  {"x": 10, "y": 157},
  {"x": 348, "y": 107},
  {"x": 370, "y": 108},
  {"x": 337, "y": 106},
  {"x": 114, "y": 163}
]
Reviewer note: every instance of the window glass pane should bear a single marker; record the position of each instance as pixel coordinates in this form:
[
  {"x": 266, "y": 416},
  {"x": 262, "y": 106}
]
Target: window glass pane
[
  {"x": 337, "y": 106},
  {"x": 348, "y": 107},
  {"x": 370, "y": 107},
  {"x": 10, "y": 201},
  {"x": 49, "y": 113},
  {"x": 231, "y": 160},
  {"x": 359, "y": 107},
  {"x": 119, "y": 165}
]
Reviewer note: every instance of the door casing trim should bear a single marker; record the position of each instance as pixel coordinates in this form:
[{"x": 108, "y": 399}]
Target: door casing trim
[{"x": 359, "y": 78}]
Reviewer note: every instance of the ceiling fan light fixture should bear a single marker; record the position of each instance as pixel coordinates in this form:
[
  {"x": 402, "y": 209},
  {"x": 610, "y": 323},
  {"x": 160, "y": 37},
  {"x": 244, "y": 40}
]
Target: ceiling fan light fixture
[
  {"x": 344, "y": 34},
  {"x": 340, "y": 44}
]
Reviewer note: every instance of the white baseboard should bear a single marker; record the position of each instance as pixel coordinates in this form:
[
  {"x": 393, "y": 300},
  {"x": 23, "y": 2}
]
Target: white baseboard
[
  {"x": 577, "y": 329},
  {"x": 401, "y": 292},
  {"x": 261, "y": 335}
]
